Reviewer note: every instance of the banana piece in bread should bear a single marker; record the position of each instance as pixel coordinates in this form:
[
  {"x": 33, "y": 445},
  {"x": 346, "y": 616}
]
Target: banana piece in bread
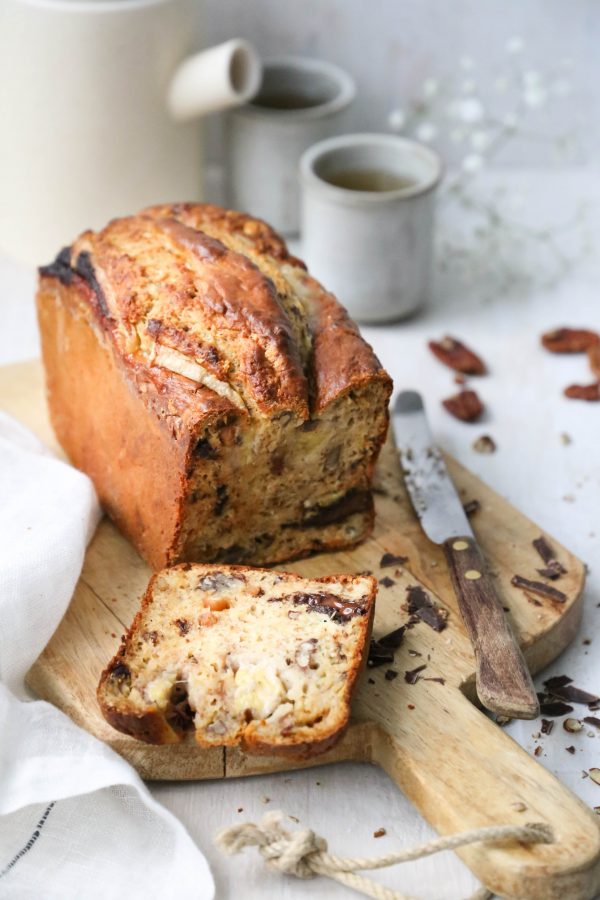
[
  {"x": 223, "y": 403},
  {"x": 252, "y": 657}
]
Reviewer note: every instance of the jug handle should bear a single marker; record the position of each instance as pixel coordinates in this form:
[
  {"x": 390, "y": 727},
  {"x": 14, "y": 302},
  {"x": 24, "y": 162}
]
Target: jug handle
[{"x": 214, "y": 79}]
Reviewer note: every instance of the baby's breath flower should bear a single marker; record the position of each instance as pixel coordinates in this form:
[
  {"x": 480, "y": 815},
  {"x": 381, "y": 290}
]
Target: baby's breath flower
[
  {"x": 561, "y": 88},
  {"x": 426, "y": 132},
  {"x": 515, "y": 45},
  {"x": 534, "y": 96},
  {"x": 457, "y": 135},
  {"x": 532, "y": 78},
  {"x": 509, "y": 120},
  {"x": 396, "y": 120},
  {"x": 472, "y": 163},
  {"x": 470, "y": 110},
  {"x": 431, "y": 87},
  {"x": 468, "y": 86}
]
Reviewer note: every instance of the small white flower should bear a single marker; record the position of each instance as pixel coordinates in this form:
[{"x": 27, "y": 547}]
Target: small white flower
[
  {"x": 510, "y": 121},
  {"x": 534, "y": 97},
  {"x": 515, "y": 45},
  {"x": 457, "y": 135},
  {"x": 466, "y": 63},
  {"x": 431, "y": 87},
  {"x": 501, "y": 85},
  {"x": 396, "y": 120},
  {"x": 472, "y": 163},
  {"x": 426, "y": 132},
  {"x": 469, "y": 110},
  {"x": 469, "y": 86},
  {"x": 480, "y": 140}
]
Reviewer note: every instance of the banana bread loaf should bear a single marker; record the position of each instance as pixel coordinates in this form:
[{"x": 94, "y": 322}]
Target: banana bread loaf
[
  {"x": 244, "y": 656},
  {"x": 221, "y": 400}
]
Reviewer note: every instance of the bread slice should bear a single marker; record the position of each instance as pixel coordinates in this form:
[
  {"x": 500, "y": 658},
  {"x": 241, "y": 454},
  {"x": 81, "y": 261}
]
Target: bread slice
[{"x": 264, "y": 659}]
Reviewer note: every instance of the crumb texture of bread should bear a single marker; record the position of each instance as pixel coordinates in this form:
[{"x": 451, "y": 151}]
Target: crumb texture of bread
[
  {"x": 193, "y": 365},
  {"x": 251, "y": 657}
]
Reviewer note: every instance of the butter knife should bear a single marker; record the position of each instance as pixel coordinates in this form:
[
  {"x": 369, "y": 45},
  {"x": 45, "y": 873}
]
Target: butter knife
[{"x": 503, "y": 682}]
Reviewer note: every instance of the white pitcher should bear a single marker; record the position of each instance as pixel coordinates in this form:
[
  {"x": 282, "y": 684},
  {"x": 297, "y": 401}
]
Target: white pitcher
[{"x": 98, "y": 102}]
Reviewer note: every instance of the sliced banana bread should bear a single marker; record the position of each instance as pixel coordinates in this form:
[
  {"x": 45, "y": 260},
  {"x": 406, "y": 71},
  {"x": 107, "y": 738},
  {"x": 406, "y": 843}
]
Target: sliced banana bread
[{"x": 255, "y": 657}]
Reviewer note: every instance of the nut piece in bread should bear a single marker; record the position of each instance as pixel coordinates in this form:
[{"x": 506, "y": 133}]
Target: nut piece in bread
[
  {"x": 252, "y": 657},
  {"x": 221, "y": 400}
]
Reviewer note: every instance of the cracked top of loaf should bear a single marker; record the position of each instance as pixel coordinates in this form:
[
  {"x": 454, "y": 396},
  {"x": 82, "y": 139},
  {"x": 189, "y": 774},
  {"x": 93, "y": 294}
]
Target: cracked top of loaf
[{"x": 210, "y": 313}]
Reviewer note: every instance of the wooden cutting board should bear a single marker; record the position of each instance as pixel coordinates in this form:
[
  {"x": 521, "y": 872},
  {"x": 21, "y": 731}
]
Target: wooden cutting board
[{"x": 457, "y": 766}]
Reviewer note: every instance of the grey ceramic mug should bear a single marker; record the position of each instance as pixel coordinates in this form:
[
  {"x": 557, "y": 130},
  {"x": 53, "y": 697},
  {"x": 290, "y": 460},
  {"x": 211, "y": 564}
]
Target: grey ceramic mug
[
  {"x": 372, "y": 248},
  {"x": 300, "y": 102}
]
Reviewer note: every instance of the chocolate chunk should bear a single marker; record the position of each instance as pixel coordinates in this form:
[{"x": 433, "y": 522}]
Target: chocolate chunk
[
  {"x": 353, "y": 502},
  {"x": 390, "y": 559},
  {"x": 592, "y": 720},
  {"x": 420, "y": 604},
  {"x": 204, "y": 449},
  {"x": 393, "y": 639},
  {"x": 391, "y": 674},
  {"x": 417, "y": 598},
  {"x": 337, "y": 608},
  {"x": 557, "y": 681},
  {"x": 179, "y": 713},
  {"x": 379, "y": 655},
  {"x": 472, "y": 506},
  {"x": 547, "y": 726},
  {"x": 387, "y": 582},
  {"x": 411, "y": 676},
  {"x": 222, "y": 499},
  {"x": 554, "y": 708},
  {"x": 60, "y": 267},
  {"x": 538, "y": 587},
  {"x": 84, "y": 267},
  {"x": 570, "y": 749},
  {"x": 183, "y": 625}
]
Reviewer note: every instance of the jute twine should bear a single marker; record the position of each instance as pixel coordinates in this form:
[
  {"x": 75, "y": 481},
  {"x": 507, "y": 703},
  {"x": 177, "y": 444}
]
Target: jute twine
[{"x": 304, "y": 854}]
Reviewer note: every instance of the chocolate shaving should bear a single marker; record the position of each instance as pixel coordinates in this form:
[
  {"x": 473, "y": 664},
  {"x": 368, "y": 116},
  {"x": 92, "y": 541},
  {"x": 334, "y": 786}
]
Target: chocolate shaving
[
  {"x": 538, "y": 587},
  {"x": 438, "y": 680},
  {"x": 381, "y": 651},
  {"x": 472, "y": 506},
  {"x": 391, "y": 674},
  {"x": 592, "y": 720},
  {"x": 390, "y": 559},
  {"x": 554, "y": 708},
  {"x": 420, "y": 604},
  {"x": 570, "y": 749},
  {"x": 557, "y": 681},
  {"x": 573, "y": 694},
  {"x": 387, "y": 582},
  {"x": 545, "y": 551},
  {"x": 547, "y": 726},
  {"x": 411, "y": 676},
  {"x": 553, "y": 571}
]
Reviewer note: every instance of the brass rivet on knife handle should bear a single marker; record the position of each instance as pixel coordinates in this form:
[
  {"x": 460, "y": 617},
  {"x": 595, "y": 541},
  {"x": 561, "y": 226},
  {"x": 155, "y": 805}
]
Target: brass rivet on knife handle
[{"x": 504, "y": 684}]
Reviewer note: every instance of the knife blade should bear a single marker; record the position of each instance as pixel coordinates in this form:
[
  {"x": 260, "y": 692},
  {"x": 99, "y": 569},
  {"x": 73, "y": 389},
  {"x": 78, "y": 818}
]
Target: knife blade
[{"x": 503, "y": 681}]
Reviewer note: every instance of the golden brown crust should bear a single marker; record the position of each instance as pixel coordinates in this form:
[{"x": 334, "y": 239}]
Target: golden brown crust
[
  {"x": 151, "y": 725},
  {"x": 169, "y": 323}
]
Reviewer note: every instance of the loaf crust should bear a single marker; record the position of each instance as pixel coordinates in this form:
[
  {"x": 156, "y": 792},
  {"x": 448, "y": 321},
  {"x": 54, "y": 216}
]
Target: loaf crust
[
  {"x": 198, "y": 374},
  {"x": 146, "y": 658}
]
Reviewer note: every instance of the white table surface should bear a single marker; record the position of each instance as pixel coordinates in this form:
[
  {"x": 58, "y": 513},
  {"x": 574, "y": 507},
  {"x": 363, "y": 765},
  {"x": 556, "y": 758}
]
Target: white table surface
[{"x": 555, "y": 484}]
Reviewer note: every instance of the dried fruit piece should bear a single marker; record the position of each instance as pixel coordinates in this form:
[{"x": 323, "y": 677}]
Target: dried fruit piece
[
  {"x": 465, "y": 406},
  {"x": 572, "y": 725},
  {"x": 457, "y": 356},
  {"x": 569, "y": 340},
  {"x": 589, "y": 392},
  {"x": 594, "y": 358},
  {"x": 484, "y": 444}
]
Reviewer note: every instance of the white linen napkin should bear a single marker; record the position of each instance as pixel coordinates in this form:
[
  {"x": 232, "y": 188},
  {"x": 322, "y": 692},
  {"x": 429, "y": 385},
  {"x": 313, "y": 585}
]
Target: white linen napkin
[{"x": 75, "y": 819}]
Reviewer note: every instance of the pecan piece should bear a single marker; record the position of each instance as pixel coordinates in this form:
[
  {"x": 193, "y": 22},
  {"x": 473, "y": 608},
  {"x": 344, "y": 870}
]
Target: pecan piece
[
  {"x": 589, "y": 392},
  {"x": 594, "y": 358},
  {"x": 569, "y": 340},
  {"x": 454, "y": 354},
  {"x": 465, "y": 406}
]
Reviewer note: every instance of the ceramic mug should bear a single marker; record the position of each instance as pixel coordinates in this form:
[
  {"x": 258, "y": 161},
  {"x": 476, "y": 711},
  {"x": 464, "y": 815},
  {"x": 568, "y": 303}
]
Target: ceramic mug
[
  {"x": 98, "y": 106},
  {"x": 367, "y": 222},
  {"x": 299, "y": 102}
]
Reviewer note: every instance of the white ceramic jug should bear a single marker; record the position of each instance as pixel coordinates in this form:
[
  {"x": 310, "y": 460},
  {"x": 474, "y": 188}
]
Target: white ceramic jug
[{"x": 98, "y": 108}]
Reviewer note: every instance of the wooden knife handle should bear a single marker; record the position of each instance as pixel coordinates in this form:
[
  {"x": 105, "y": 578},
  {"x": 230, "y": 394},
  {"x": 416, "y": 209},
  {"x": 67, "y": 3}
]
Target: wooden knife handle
[{"x": 504, "y": 684}]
